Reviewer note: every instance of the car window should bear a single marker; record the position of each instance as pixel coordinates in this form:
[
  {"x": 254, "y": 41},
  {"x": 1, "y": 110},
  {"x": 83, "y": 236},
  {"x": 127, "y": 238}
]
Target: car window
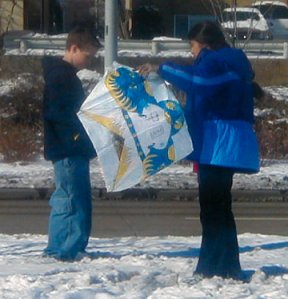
[
  {"x": 240, "y": 16},
  {"x": 227, "y": 16},
  {"x": 266, "y": 10},
  {"x": 273, "y": 12},
  {"x": 280, "y": 12}
]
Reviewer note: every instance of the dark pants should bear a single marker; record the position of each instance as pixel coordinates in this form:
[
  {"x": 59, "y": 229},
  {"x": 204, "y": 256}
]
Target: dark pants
[{"x": 219, "y": 253}]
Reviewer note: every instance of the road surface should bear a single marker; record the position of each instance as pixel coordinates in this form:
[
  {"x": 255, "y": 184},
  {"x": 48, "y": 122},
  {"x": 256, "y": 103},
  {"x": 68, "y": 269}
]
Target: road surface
[{"x": 117, "y": 218}]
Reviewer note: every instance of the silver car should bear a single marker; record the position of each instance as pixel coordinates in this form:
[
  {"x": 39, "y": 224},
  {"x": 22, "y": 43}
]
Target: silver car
[
  {"x": 276, "y": 14},
  {"x": 249, "y": 23}
]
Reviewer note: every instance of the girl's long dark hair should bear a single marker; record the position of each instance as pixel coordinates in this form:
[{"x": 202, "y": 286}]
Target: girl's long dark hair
[{"x": 208, "y": 33}]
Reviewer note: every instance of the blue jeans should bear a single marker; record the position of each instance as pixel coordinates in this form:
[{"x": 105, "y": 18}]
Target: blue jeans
[{"x": 71, "y": 209}]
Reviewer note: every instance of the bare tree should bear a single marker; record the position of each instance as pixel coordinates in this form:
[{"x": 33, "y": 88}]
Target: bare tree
[
  {"x": 216, "y": 6},
  {"x": 234, "y": 6},
  {"x": 9, "y": 17}
]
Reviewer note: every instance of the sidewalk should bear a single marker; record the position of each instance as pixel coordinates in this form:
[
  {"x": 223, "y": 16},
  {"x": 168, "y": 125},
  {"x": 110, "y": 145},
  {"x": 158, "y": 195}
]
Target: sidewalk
[{"x": 147, "y": 194}]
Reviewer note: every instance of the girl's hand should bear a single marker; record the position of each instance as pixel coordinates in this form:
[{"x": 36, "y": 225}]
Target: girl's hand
[{"x": 147, "y": 68}]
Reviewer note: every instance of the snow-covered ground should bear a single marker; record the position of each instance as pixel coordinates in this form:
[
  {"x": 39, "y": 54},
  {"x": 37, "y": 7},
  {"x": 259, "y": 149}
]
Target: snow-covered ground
[
  {"x": 134, "y": 267},
  {"x": 139, "y": 268},
  {"x": 39, "y": 174}
]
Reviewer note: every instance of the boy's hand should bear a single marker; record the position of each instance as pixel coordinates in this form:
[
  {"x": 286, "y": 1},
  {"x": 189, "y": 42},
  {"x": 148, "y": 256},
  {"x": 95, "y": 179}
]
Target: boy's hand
[{"x": 147, "y": 68}]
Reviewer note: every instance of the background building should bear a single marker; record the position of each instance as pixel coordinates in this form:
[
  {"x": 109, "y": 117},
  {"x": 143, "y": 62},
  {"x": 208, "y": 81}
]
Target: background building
[
  {"x": 139, "y": 18},
  {"x": 143, "y": 19},
  {"x": 49, "y": 16},
  {"x": 170, "y": 17}
]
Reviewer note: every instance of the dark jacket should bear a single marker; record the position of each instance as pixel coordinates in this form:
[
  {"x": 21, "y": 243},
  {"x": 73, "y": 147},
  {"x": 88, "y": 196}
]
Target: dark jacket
[
  {"x": 219, "y": 108},
  {"x": 64, "y": 135}
]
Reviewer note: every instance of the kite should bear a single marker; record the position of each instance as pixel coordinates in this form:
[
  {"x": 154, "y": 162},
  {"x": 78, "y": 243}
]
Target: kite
[{"x": 136, "y": 125}]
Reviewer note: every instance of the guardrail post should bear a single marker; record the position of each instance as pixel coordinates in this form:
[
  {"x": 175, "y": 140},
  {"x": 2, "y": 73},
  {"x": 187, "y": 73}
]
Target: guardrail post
[
  {"x": 154, "y": 47},
  {"x": 285, "y": 50},
  {"x": 23, "y": 46}
]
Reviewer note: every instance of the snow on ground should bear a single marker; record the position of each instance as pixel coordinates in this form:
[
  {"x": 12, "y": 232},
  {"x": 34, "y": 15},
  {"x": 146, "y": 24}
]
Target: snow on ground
[
  {"x": 39, "y": 174},
  {"x": 132, "y": 53},
  {"x": 139, "y": 268},
  {"x": 121, "y": 53},
  {"x": 278, "y": 92}
]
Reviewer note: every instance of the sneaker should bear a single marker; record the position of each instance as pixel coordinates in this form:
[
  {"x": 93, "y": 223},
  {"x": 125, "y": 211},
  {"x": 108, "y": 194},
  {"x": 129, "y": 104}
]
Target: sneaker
[
  {"x": 243, "y": 276},
  {"x": 83, "y": 254}
]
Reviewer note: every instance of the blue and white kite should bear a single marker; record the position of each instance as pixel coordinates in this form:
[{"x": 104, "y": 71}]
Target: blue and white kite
[{"x": 136, "y": 126}]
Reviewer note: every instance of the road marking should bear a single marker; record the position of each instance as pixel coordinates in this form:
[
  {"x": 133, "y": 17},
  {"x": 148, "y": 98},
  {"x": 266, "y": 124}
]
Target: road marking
[
  {"x": 262, "y": 218},
  {"x": 248, "y": 218}
]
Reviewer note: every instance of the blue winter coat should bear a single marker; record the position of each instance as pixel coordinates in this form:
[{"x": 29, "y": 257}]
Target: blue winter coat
[
  {"x": 64, "y": 135},
  {"x": 219, "y": 108}
]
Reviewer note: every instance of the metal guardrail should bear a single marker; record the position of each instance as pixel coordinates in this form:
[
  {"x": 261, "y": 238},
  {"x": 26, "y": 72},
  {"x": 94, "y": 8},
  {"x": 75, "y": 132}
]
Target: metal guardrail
[{"x": 272, "y": 48}]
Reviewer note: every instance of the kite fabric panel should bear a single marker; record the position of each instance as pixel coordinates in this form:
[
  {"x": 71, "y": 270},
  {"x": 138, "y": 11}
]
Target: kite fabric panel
[{"x": 136, "y": 125}]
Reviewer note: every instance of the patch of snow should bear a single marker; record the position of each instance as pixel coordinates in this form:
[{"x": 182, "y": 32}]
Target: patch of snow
[
  {"x": 39, "y": 174},
  {"x": 138, "y": 268},
  {"x": 278, "y": 92}
]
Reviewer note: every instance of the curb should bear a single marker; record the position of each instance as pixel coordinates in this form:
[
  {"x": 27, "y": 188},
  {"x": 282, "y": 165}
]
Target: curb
[{"x": 146, "y": 194}]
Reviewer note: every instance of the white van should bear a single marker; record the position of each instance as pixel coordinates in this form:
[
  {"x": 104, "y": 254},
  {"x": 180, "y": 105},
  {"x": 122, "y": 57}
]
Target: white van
[
  {"x": 250, "y": 23},
  {"x": 276, "y": 14}
]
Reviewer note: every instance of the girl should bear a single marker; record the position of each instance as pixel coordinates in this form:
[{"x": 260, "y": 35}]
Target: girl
[{"x": 219, "y": 114}]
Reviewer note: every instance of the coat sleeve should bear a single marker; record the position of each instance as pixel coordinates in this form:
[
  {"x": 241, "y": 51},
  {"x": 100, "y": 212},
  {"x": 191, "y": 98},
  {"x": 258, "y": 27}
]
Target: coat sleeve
[
  {"x": 206, "y": 78},
  {"x": 178, "y": 75}
]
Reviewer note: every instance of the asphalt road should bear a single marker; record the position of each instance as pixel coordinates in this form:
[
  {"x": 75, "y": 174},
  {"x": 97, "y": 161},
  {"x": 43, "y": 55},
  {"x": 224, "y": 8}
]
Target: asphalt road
[{"x": 117, "y": 218}]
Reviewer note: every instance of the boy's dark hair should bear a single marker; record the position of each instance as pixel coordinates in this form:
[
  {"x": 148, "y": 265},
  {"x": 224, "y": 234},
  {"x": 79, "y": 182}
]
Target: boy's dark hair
[
  {"x": 208, "y": 33},
  {"x": 82, "y": 37}
]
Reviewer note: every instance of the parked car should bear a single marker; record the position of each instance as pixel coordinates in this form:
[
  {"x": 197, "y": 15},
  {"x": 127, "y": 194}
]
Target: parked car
[
  {"x": 250, "y": 23},
  {"x": 276, "y": 14}
]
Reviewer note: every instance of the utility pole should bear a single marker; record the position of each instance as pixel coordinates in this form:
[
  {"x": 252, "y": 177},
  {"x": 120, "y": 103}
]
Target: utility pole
[{"x": 111, "y": 32}]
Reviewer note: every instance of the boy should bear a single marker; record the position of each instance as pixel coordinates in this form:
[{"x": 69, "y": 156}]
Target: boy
[{"x": 69, "y": 148}]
